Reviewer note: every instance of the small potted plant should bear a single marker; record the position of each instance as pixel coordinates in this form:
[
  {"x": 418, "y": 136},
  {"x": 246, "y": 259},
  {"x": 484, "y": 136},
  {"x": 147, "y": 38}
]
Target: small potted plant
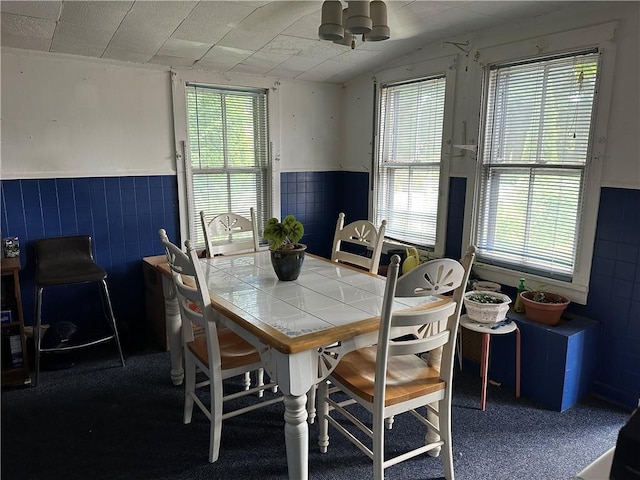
[
  {"x": 486, "y": 307},
  {"x": 543, "y": 307},
  {"x": 287, "y": 254}
]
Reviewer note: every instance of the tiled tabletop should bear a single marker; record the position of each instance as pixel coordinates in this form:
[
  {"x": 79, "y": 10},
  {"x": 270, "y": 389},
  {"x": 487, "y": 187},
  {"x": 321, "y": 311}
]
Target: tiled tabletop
[{"x": 324, "y": 296}]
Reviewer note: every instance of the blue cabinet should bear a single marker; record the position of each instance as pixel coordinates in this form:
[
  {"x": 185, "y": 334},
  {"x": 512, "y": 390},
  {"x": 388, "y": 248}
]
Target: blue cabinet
[{"x": 558, "y": 363}]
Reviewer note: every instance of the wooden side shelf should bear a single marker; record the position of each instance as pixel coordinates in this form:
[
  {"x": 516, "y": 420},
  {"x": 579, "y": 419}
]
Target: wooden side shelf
[{"x": 15, "y": 368}]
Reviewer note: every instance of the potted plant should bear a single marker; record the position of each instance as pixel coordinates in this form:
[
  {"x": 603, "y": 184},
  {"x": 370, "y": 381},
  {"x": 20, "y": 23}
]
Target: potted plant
[
  {"x": 544, "y": 307},
  {"x": 287, "y": 254},
  {"x": 486, "y": 307}
]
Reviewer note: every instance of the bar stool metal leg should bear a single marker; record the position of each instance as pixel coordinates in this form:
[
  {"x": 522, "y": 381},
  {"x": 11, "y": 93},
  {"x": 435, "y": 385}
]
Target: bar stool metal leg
[
  {"x": 112, "y": 318},
  {"x": 37, "y": 332}
]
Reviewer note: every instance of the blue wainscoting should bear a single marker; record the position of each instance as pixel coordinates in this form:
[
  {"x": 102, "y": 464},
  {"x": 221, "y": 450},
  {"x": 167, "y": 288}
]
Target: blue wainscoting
[
  {"x": 316, "y": 199},
  {"x": 122, "y": 215},
  {"x": 614, "y": 295},
  {"x": 455, "y": 217}
]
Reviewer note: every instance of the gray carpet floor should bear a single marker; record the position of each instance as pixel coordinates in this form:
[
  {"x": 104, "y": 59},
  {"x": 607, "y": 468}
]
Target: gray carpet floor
[{"x": 97, "y": 421}]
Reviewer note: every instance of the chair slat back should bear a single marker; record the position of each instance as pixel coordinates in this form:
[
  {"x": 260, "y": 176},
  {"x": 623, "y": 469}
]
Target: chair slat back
[
  {"x": 230, "y": 233},
  {"x": 436, "y": 276},
  {"x": 194, "y": 303},
  {"x": 362, "y": 233}
]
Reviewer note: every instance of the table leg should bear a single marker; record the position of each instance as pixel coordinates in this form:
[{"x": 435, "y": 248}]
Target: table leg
[
  {"x": 296, "y": 435},
  {"x": 486, "y": 339},
  {"x": 174, "y": 330},
  {"x": 517, "y": 362},
  {"x": 311, "y": 404}
]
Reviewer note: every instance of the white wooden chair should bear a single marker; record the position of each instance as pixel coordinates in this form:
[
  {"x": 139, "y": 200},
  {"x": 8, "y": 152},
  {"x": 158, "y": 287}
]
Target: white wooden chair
[
  {"x": 361, "y": 233},
  {"x": 218, "y": 353},
  {"x": 230, "y": 233},
  {"x": 389, "y": 379}
]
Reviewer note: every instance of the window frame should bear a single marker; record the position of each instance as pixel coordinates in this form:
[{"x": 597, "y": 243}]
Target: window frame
[
  {"x": 179, "y": 82},
  {"x": 599, "y": 37},
  {"x": 440, "y": 67}
]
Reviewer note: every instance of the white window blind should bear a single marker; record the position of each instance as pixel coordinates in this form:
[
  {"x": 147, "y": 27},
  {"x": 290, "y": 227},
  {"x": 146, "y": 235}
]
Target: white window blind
[
  {"x": 228, "y": 166},
  {"x": 411, "y": 116},
  {"x": 534, "y": 160}
]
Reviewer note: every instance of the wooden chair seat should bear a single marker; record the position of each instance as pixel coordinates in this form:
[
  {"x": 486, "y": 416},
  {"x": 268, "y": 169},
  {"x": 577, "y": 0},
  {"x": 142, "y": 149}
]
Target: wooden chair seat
[
  {"x": 408, "y": 376},
  {"x": 235, "y": 352}
]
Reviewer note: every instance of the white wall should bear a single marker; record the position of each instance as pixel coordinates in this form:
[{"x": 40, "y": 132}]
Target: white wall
[
  {"x": 312, "y": 126},
  {"x": 65, "y": 116},
  {"x": 71, "y": 118},
  {"x": 621, "y": 165}
]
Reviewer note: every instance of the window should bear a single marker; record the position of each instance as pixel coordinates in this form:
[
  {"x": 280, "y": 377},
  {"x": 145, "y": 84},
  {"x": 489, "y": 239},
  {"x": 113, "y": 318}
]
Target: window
[
  {"x": 228, "y": 162},
  {"x": 535, "y": 157},
  {"x": 410, "y": 131}
]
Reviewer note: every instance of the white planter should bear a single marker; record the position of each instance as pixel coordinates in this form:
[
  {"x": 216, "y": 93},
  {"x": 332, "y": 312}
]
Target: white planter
[{"x": 487, "y": 312}]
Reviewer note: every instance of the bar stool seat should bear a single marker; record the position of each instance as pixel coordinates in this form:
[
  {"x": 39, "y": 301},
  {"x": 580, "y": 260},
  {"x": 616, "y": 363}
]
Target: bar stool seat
[
  {"x": 75, "y": 271},
  {"x": 67, "y": 261}
]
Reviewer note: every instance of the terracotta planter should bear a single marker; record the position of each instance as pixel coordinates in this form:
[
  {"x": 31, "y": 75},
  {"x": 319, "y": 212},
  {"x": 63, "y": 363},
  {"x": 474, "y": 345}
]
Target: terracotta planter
[
  {"x": 288, "y": 263},
  {"x": 547, "y": 313}
]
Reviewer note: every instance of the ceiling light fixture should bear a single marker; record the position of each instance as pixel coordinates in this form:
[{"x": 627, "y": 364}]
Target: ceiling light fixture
[{"x": 340, "y": 26}]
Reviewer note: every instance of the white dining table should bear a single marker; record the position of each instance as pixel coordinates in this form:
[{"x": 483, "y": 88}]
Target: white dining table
[{"x": 301, "y": 328}]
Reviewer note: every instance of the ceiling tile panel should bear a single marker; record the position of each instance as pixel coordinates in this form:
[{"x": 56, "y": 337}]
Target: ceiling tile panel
[
  {"x": 284, "y": 44},
  {"x": 264, "y": 61},
  {"x": 46, "y": 10},
  {"x": 21, "y": 26},
  {"x": 91, "y": 13},
  {"x": 117, "y": 5},
  {"x": 30, "y": 43},
  {"x": 301, "y": 63},
  {"x": 136, "y": 41},
  {"x": 225, "y": 56},
  {"x": 265, "y": 23},
  {"x": 284, "y": 72},
  {"x": 306, "y": 27},
  {"x": 210, "y": 21},
  {"x": 171, "y": 61},
  {"x": 125, "y": 55},
  {"x": 76, "y": 48},
  {"x": 212, "y": 66},
  {"x": 148, "y": 24},
  {"x": 184, "y": 48},
  {"x": 83, "y": 34},
  {"x": 248, "y": 69}
]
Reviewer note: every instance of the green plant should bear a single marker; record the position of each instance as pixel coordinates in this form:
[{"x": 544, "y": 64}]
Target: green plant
[
  {"x": 283, "y": 235},
  {"x": 482, "y": 297},
  {"x": 541, "y": 295}
]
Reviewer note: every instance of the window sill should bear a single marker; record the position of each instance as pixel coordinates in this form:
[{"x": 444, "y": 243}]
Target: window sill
[{"x": 575, "y": 293}]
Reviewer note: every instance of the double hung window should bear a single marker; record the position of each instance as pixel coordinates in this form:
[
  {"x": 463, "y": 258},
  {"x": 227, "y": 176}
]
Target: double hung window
[
  {"x": 228, "y": 153},
  {"x": 534, "y": 162},
  {"x": 410, "y": 132}
]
